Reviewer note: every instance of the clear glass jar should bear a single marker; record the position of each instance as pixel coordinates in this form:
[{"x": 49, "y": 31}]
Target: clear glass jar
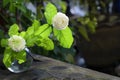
[{"x": 18, "y": 68}]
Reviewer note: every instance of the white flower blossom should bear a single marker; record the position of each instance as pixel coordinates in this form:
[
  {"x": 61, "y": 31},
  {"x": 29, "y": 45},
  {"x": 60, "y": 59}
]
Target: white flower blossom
[
  {"x": 17, "y": 43},
  {"x": 60, "y": 21}
]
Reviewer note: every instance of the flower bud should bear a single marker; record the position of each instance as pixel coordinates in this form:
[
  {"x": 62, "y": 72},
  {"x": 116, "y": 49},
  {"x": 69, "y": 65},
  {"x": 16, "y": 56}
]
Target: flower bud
[
  {"x": 60, "y": 21},
  {"x": 16, "y": 43}
]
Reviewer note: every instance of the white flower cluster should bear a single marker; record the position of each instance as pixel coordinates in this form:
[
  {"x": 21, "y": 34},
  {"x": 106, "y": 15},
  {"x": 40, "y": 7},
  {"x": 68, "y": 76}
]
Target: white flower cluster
[
  {"x": 17, "y": 43},
  {"x": 60, "y": 21}
]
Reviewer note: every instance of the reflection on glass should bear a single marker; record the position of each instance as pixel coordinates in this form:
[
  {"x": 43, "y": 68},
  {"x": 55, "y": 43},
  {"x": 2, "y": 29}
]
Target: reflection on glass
[{"x": 18, "y": 68}]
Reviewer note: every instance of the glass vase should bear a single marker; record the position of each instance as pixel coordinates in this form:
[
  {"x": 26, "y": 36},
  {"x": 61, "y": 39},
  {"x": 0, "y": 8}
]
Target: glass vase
[{"x": 18, "y": 68}]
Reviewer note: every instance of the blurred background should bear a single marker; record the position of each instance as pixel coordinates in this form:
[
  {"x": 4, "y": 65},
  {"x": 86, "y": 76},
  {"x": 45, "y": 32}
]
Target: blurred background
[{"x": 95, "y": 25}]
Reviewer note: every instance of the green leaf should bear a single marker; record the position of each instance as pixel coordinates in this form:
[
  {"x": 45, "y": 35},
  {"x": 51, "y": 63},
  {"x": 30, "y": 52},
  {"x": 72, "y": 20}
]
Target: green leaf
[
  {"x": 36, "y": 25},
  {"x": 64, "y": 37},
  {"x": 29, "y": 37},
  {"x": 44, "y": 30},
  {"x": 22, "y": 34},
  {"x": 30, "y": 31},
  {"x": 39, "y": 12},
  {"x": 12, "y": 7},
  {"x": 83, "y": 32},
  {"x": 92, "y": 27},
  {"x": 21, "y": 7},
  {"x": 63, "y": 6},
  {"x": 1, "y": 33},
  {"x": 50, "y": 11},
  {"x": 30, "y": 41},
  {"x": 46, "y": 43},
  {"x": 7, "y": 57},
  {"x": 13, "y": 30},
  {"x": 5, "y": 2},
  {"x": 21, "y": 56},
  {"x": 4, "y": 42}
]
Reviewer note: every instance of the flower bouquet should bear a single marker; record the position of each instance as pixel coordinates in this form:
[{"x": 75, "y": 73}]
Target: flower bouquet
[{"x": 17, "y": 43}]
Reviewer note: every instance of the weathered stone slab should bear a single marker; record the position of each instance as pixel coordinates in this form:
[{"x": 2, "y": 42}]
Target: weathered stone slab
[{"x": 44, "y": 68}]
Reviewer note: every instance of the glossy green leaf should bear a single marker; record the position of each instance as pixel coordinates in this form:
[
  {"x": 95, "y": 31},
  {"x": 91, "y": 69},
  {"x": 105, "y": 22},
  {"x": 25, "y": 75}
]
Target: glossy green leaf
[
  {"x": 7, "y": 57},
  {"x": 4, "y": 42},
  {"x": 44, "y": 30},
  {"x": 21, "y": 56},
  {"x": 30, "y": 31},
  {"x": 22, "y": 34},
  {"x": 50, "y": 11},
  {"x": 46, "y": 43},
  {"x": 31, "y": 40},
  {"x": 29, "y": 37},
  {"x": 64, "y": 37},
  {"x": 13, "y": 30},
  {"x": 36, "y": 25}
]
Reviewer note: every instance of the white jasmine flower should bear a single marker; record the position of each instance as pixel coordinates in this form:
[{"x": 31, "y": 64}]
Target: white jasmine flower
[
  {"x": 17, "y": 43},
  {"x": 60, "y": 21}
]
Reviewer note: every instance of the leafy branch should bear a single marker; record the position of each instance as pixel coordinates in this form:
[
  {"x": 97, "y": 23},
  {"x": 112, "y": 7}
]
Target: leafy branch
[{"x": 36, "y": 34}]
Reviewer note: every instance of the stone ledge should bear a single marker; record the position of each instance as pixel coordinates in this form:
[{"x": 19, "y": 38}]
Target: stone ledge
[{"x": 44, "y": 68}]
